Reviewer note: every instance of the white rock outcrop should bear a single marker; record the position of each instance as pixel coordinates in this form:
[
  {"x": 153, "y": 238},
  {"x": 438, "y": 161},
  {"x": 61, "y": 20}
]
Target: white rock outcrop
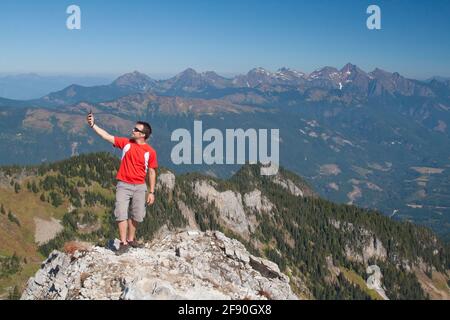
[
  {"x": 185, "y": 265},
  {"x": 229, "y": 204},
  {"x": 166, "y": 179},
  {"x": 288, "y": 185},
  {"x": 374, "y": 280},
  {"x": 255, "y": 200},
  {"x": 367, "y": 246}
]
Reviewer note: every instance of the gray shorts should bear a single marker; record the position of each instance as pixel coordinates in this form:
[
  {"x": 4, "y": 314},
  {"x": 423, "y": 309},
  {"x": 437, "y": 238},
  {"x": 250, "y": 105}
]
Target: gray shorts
[{"x": 130, "y": 198}]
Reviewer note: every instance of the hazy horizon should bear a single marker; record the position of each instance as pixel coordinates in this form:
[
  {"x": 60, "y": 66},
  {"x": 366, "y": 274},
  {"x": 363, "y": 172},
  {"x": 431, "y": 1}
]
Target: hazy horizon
[{"x": 167, "y": 75}]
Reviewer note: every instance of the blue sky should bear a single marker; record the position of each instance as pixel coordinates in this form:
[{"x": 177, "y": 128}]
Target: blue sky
[{"x": 228, "y": 36}]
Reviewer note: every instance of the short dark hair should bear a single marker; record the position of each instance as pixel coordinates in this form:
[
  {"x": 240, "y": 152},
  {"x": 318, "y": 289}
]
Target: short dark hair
[{"x": 147, "y": 128}]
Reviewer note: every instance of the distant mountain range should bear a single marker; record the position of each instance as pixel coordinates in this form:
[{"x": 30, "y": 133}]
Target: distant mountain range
[
  {"x": 438, "y": 78},
  {"x": 32, "y": 85},
  {"x": 328, "y": 82},
  {"x": 376, "y": 139}
]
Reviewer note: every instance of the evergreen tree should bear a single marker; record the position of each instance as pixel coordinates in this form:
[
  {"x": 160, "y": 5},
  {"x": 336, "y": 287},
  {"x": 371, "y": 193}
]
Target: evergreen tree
[
  {"x": 56, "y": 199},
  {"x": 13, "y": 218},
  {"x": 34, "y": 187},
  {"x": 14, "y": 294},
  {"x": 16, "y": 187}
]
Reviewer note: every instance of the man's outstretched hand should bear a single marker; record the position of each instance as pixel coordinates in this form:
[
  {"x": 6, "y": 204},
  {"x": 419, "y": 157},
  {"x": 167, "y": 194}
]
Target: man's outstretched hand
[
  {"x": 150, "y": 199},
  {"x": 102, "y": 133},
  {"x": 90, "y": 119}
]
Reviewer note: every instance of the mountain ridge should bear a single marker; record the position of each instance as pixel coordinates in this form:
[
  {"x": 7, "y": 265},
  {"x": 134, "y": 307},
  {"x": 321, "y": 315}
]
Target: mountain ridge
[
  {"x": 349, "y": 134},
  {"x": 190, "y": 82},
  {"x": 278, "y": 218}
]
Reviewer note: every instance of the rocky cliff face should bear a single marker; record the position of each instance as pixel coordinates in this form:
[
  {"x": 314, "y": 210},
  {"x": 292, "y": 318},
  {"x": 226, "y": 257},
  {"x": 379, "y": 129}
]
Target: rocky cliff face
[
  {"x": 230, "y": 206},
  {"x": 184, "y": 265}
]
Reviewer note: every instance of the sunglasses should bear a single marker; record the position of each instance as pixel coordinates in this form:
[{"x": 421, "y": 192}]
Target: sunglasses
[{"x": 137, "y": 130}]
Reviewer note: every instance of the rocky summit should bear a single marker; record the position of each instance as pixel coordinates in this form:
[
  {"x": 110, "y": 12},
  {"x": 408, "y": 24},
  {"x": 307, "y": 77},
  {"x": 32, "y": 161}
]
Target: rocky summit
[{"x": 175, "y": 265}]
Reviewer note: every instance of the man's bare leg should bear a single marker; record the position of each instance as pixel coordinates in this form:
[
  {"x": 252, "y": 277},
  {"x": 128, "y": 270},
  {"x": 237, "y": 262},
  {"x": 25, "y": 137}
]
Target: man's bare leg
[
  {"x": 123, "y": 231},
  {"x": 132, "y": 225}
]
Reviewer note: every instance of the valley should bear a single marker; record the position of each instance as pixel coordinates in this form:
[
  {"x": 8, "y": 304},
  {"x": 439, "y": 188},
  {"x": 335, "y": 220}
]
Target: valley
[{"x": 377, "y": 139}]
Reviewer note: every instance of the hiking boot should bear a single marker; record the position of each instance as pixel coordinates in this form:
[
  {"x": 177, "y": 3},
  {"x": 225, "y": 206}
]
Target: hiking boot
[
  {"x": 135, "y": 244},
  {"x": 122, "y": 249}
]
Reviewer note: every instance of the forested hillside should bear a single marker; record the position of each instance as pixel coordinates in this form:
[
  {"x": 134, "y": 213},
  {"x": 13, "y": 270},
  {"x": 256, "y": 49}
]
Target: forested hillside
[{"x": 325, "y": 248}]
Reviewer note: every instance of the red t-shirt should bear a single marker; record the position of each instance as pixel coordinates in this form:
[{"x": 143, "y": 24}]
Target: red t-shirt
[{"x": 136, "y": 159}]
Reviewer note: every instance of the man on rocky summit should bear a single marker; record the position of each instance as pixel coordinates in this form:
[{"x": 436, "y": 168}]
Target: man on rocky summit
[{"x": 138, "y": 159}]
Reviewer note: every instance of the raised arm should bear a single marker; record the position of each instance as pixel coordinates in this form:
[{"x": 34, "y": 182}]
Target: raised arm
[{"x": 102, "y": 133}]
